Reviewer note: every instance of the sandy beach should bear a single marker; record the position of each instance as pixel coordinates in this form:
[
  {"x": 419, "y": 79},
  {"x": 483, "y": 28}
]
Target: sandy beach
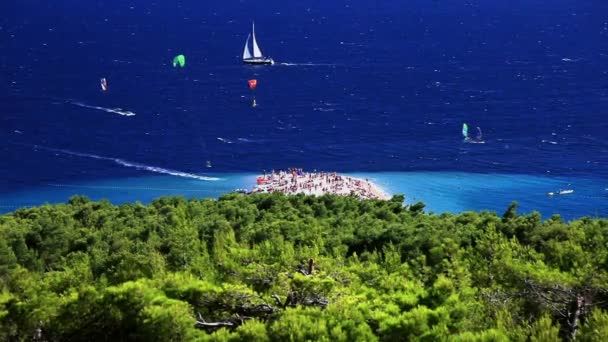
[{"x": 296, "y": 181}]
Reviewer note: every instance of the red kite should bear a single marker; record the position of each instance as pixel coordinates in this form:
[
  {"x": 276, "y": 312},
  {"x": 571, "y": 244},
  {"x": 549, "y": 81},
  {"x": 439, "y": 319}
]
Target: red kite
[{"x": 253, "y": 84}]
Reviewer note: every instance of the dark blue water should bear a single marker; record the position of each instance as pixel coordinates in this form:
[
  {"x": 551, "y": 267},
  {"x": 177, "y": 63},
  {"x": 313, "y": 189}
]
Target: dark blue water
[{"x": 359, "y": 86}]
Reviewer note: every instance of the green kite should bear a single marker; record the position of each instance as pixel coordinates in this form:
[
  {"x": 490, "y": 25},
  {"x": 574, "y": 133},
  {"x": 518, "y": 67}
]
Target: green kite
[{"x": 179, "y": 60}]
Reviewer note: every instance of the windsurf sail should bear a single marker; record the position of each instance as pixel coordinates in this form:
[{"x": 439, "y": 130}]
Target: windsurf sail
[
  {"x": 479, "y": 135},
  {"x": 465, "y": 130},
  {"x": 104, "y": 84}
]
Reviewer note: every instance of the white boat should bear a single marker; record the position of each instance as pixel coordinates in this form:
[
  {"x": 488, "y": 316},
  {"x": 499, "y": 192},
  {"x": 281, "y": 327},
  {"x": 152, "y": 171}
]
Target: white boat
[
  {"x": 256, "y": 58},
  {"x": 561, "y": 192}
]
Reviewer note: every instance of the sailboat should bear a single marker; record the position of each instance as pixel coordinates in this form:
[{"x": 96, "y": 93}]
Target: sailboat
[{"x": 257, "y": 58}]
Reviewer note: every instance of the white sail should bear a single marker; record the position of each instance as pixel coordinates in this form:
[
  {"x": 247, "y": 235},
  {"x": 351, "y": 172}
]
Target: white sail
[
  {"x": 246, "y": 53},
  {"x": 256, "y": 50}
]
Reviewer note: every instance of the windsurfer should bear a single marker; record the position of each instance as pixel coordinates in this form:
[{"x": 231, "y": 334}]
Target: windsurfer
[{"x": 468, "y": 139}]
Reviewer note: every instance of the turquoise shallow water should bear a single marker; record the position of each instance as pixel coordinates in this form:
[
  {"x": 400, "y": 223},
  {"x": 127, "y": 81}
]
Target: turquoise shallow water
[
  {"x": 440, "y": 191},
  {"x": 143, "y": 189},
  {"x": 459, "y": 191}
]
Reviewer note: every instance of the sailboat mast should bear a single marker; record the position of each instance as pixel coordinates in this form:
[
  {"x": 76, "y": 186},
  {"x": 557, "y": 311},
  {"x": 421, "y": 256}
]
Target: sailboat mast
[{"x": 256, "y": 49}]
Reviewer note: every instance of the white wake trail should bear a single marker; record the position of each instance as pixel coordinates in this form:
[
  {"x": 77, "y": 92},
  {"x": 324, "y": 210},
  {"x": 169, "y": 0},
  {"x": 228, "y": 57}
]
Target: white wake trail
[
  {"x": 130, "y": 164},
  {"x": 118, "y": 111},
  {"x": 224, "y": 140},
  {"x": 307, "y": 64}
]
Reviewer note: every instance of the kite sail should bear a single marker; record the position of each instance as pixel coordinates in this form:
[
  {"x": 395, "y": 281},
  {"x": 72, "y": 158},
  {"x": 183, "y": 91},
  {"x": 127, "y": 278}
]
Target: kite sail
[
  {"x": 104, "y": 84},
  {"x": 465, "y": 131},
  {"x": 179, "y": 60},
  {"x": 479, "y": 135}
]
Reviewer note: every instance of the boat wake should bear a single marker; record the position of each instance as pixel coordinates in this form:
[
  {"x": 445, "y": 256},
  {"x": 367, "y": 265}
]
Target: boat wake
[
  {"x": 239, "y": 141},
  {"x": 118, "y": 111},
  {"x": 307, "y": 64},
  {"x": 118, "y": 61},
  {"x": 130, "y": 164},
  {"x": 248, "y": 141},
  {"x": 320, "y": 109},
  {"x": 224, "y": 140}
]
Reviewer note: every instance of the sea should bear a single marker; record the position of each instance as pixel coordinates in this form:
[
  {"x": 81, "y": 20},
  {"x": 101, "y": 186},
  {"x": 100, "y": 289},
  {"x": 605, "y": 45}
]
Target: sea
[{"x": 375, "y": 89}]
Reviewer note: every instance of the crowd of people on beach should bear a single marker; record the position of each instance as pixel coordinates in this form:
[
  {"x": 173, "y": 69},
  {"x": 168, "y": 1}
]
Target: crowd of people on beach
[{"x": 295, "y": 181}]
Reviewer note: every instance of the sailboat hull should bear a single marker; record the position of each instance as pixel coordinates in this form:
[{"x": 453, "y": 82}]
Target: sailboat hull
[{"x": 259, "y": 61}]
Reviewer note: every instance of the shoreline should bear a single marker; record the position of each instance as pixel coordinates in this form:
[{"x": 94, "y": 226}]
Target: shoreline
[
  {"x": 441, "y": 191},
  {"x": 296, "y": 181}
]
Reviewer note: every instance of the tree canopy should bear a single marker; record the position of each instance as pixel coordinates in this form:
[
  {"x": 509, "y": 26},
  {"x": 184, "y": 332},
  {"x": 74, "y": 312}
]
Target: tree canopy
[{"x": 271, "y": 267}]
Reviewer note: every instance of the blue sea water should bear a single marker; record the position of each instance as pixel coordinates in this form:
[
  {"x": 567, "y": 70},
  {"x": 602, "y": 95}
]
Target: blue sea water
[{"x": 374, "y": 88}]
